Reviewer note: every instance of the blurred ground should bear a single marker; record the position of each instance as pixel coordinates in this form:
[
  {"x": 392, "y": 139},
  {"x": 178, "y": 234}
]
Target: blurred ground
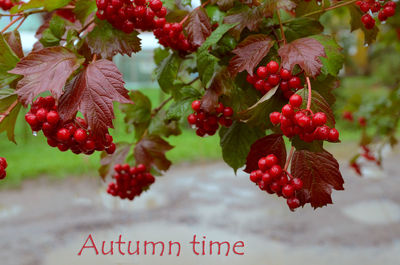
[{"x": 47, "y": 222}]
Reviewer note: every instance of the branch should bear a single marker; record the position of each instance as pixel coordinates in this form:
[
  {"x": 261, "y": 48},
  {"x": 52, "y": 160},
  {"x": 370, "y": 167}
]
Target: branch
[
  {"x": 8, "y": 111},
  {"x": 156, "y": 110}
]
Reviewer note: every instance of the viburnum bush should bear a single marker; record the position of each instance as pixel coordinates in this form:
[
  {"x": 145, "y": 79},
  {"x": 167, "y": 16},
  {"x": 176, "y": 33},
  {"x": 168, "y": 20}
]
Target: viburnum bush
[{"x": 260, "y": 73}]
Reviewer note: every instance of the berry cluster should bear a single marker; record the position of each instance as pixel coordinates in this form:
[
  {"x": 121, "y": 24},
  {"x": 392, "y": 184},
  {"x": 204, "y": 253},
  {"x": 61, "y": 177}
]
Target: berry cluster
[
  {"x": 271, "y": 178},
  {"x": 171, "y": 35},
  {"x": 208, "y": 123},
  {"x": 371, "y": 6},
  {"x": 75, "y": 135},
  {"x": 3, "y": 166},
  {"x": 6, "y": 4},
  {"x": 268, "y": 77},
  {"x": 302, "y": 122},
  {"x": 130, "y": 181},
  {"x": 127, "y": 15}
]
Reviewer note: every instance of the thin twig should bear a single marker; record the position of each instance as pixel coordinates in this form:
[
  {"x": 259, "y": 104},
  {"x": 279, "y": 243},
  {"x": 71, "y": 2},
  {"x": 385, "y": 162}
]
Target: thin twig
[
  {"x": 281, "y": 27},
  {"x": 289, "y": 158},
  {"x": 194, "y": 80},
  {"x": 86, "y": 26},
  {"x": 20, "y": 23},
  {"x": 10, "y": 24},
  {"x": 8, "y": 111},
  {"x": 156, "y": 110},
  {"x": 309, "y": 93}
]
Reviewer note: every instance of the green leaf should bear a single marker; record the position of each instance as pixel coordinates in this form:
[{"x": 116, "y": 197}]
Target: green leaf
[
  {"x": 8, "y": 61},
  {"x": 49, "y": 5},
  {"x": 356, "y": 14},
  {"x": 83, "y": 9},
  {"x": 8, "y": 98},
  {"x": 167, "y": 72},
  {"x": 215, "y": 36},
  {"x": 304, "y": 8},
  {"x": 302, "y": 27},
  {"x": 137, "y": 115},
  {"x": 236, "y": 142},
  {"x": 107, "y": 41},
  {"x": 161, "y": 125},
  {"x": 334, "y": 59},
  {"x": 57, "y": 26},
  {"x": 207, "y": 65},
  {"x": 186, "y": 3},
  {"x": 182, "y": 106},
  {"x": 160, "y": 54},
  {"x": 215, "y": 14},
  {"x": 48, "y": 39}
]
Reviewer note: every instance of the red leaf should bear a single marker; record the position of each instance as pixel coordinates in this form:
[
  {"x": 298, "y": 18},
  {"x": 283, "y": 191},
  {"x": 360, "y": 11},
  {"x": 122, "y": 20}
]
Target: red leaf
[
  {"x": 271, "y": 144},
  {"x": 150, "y": 150},
  {"x": 14, "y": 40},
  {"x": 45, "y": 70},
  {"x": 246, "y": 17},
  {"x": 198, "y": 27},
  {"x": 305, "y": 52},
  {"x": 249, "y": 53},
  {"x": 221, "y": 84},
  {"x": 320, "y": 174},
  {"x": 92, "y": 92}
]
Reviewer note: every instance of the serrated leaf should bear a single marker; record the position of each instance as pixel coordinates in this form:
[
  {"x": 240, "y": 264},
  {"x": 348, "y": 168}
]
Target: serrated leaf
[
  {"x": 83, "y": 9},
  {"x": 320, "y": 175},
  {"x": 45, "y": 70},
  {"x": 150, "y": 151},
  {"x": 92, "y": 92},
  {"x": 318, "y": 104},
  {"x": 167, "y": 72},
  {"x": 8, "y": 60},
  {"x": 215, "y": 36},
  {"x": 235, "y": 142},
  {"x": 355, "y": 22},
  {"x": 107, "y": 41},
  {"x": 249, "y": 53},
  {"x": 161, "y": 125},
  {"x": 271, "y": 144},
  {"x": 8, "y": 100},
  {"x": 302, "y": 27},
  {"x": 207, "y": 65},
  {"x": 108, "y": 161},
  {"x": 198, "y": 27},
  {"x": 334, "y": 59},
  {"x": 13, "y": 39},
  {"x": 246, "y": 17},
  {"x": 223, "y": 4},
  {"x": 306, "y": 53}
]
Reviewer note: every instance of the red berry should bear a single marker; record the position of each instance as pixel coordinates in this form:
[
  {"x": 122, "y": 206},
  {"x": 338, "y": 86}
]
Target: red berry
[
  {"x": 287, "y": 111},
  {"x": 322, "y": 133},
  {"x": 3, "y": 162},
  {"x": 3, "y": 173},
  {"x": 364, "y": 6},
  {"x": 293, "y": 203},
  {"x": 250, "y": 79},
  {"x": 333, "y": 135},
  {"x": 294, "y": 82},
  {"x": 273, "y": 80},
  {"x": 141, "y": 168},
  {"x": 228, "y": 112},
  {"x": 275, "y": 187},
  {"x": 41, "y": 115},
  {"x": 288, "y": 191},
  {"x": 63, "y": 135},
  {"x": 156, "y": 5},
  {"x": 254, "y": 177},
  {"x": 285, "y": 74},
  {"x": 259, "y": 85},
  {"x": 303, "y": 121},
  {"x": 52, "y": 142},
  {"x": 262, "y": 164},
  {"x": 296, "y": 101},
  {"x": 272, "y": 67},
  {"x": 275, "y": 118},
  {"x": 80, "y": 135},
  {"x": 89, "y": 145},
  {"x": 319, "y": 119},
  {"x": 275, "y": 171},
  {"x": 271, "y": 160},
  {"x": 220, "y": 108},
  {"x": 52, "y": 117},
  {"x": 262, "y": 72},
  {"x": 382, "y": 15},
  {"x": 296, "y": 183},
  {"x": 31, "y": 119},
  {"x": 196, "y": 105},
  {"x": 62, "y": 147},
  {"x": 192, "y": 119},
  {"x": 267, "y": 178},
  {"x": 389, "y": 11}
]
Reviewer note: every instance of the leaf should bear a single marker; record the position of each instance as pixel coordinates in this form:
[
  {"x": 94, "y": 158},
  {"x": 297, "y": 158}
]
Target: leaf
[
  {"x": 318, "y": 104},
  {"x": 45, "y": 70},
  {"x": 14, "y": 41},
  {"x": 223, "y": 4},
  {"x": 182, "y": 106},
  {"x": 137, "y": 115},
  {"x": 83, "y": 9},
  {"x": 319, "y": 173},
  {"x": 304, "y": 8},
  {"x": 249, "y": 53},
  {"x": 207, "y": 66},
  {"x": 355, "y": 22},
  {"x": 215, "y": 36},
  {"x": 286, "y": 5},
  {"x": 334, "y": 59},
  {"x": 49, "y": 5},
  {"x": 150, "y": 151},
  {"x": 161, "y": 125},
  {"x": 92, "y": 92},
  {"x": 159, "y": 55},
  {"x": 302, "y": 27},
  {"x": 266, "y": 97},
  {"x": 107, "y": 41},
  {"x": 8, "y": 60},
  {"x": 108, "y": 161},
  {"x": 198, "y": 27},
  {"x": 305, "y": 52},
  {"x": 57, "y": 26},
  {"x": 246, "y": 17},
  {"x": 235, "y": 142},
  {"x": 167, "y": 72},
  {"x": 271, "y": 144},
  {"x": 8, "y": 99}
]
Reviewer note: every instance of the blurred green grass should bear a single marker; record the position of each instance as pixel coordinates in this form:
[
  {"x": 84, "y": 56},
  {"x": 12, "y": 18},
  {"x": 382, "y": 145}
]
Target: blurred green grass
[{"x": 32, "y": 157}]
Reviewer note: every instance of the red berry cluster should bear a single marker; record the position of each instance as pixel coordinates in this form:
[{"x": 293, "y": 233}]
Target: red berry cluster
[
  {"x": 208, "y": 123},
  {"x": 268, "y": 77},
  {"x": 3, "y": 166},
  {"x": 308, "y": 126},
  {"x": 75, "y": 135},
  {"x": 6, "y": 4},
  {"x": 171, "y": 35},
  {"x": 271, "y": 178},
  {"x": 127, "y": 15},
  {"x": 130, "y": 181},
  {"x": 384, "y": 11}
]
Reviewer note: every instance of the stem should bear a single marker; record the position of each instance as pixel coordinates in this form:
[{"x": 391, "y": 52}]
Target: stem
[
  {"x": 281, "y": 27},
  {"x": 86, "y": 26},
  {"x": 94, "y": 58},
  {"x": 309, "y": 93},
  {"x": 194, "y": 80},
  {"x": 8, "y": 111},
  {"x": 156, "y": 110},
  {"x": 10, "y": 24},
  {"x": 20, "y": 23},
  {"x": 289, "y": 158}
]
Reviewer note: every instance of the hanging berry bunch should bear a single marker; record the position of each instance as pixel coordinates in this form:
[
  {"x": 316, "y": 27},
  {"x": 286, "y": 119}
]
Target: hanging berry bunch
[
  {"x": 73, "y": 135},
  {"x": 269, "y": 76},
  {"x": 384, "y": 11},
  {"x": 171, "y": 35},
  {"x": 3, "y": 167},
  {"x": 208, "y": 123},
  {"x": 127, "y": 15},
  {"x": 130, "y": 182}
]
